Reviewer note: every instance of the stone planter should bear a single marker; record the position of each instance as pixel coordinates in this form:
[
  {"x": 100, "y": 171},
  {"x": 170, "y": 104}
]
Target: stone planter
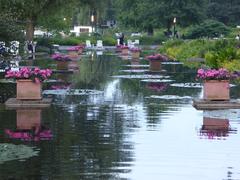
[
  {"x": 62, "y": 65},
  {"x": 73, "y": 54},
  {"x": 125, "y": 52},
  {"x": 216, "y": 90},
  {"x": 135, "y": 55},
  {"x": 155, "y": 65},
  {"x": 28, "y": 90}
]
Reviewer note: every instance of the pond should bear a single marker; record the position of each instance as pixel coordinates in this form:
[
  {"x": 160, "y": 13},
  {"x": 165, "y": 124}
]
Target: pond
[{"x": 112, "y": 119}]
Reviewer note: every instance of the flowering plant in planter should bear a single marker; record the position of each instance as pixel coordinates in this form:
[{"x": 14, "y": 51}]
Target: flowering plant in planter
[
  {"x": 159, "y": 57},
  {"x": 124, "y": 47},
  {"x": 35, "y": 74},
  {"x": 135, "y": 49},
  {"x": 61, "y": 57},
  {"x": 76, "y": 48},
  {"x": 214, "y": 74}
]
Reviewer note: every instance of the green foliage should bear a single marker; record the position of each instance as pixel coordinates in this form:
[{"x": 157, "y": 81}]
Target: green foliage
[
  {"x": 156, "y": 39},
  {"x": 217, "y": 53},
  {"x": 208, "y": 29}
]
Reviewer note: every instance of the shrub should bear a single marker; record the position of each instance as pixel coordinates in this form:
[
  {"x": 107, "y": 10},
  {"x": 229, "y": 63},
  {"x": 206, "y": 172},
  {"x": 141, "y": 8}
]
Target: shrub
[{"x": 208, "y": 28}]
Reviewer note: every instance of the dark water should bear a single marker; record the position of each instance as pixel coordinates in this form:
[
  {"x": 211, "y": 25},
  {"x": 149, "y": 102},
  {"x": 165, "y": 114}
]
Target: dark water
[{"x": 118, "y": 124}]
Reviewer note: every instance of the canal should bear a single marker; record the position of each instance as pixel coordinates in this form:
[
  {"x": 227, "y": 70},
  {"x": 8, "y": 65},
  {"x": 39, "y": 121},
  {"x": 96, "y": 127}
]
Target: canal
[{"x": 112, "y": 119}]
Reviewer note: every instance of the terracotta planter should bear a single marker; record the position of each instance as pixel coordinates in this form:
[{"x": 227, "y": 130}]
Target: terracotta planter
[
  {"x": 154, "y": 65},
  {"x": 135, "y": 55},
  {"x": 28, "y": 90},
  {"x": 216, "y": 90},
  {"x": 28, "y": 118},
  {"x": 62, "y": 65},
  {"x": 124, "y": 51},
  {"x": 73, "y": 53}
]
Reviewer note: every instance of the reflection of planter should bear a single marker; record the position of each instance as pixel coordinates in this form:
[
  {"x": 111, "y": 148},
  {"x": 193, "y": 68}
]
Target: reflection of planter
[
  {"x": 135, "y": 55},
  {"x": 62, "y": 65},
  {"x": 216, "y": 90},
  {"x": 80, "y": 51},
  {"x": 154, "y": 65},
  {"x": 215, "y": 123},
  {"x": 28, "y": 90},
  {"x": 214, "y": 127},
  {"x": 124, "y": 51},
  {"x": 73, "y": 65},
  {"x": 28, "y": 119}
]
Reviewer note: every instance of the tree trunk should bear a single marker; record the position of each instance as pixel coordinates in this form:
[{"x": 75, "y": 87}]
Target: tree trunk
[
  {"x": 150, "y": 30},
  {"x": 30, "y": 29}
]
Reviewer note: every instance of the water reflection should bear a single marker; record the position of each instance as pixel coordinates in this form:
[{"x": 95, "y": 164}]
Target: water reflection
[
  {"x": 216, "y": 124},
  {"x": 29, "y": 126}
]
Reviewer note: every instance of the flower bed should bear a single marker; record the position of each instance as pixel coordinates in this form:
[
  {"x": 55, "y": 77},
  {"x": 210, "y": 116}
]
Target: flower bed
[
  {"x": 35, "y": 74},
  {"x": 214, "y": 74}
]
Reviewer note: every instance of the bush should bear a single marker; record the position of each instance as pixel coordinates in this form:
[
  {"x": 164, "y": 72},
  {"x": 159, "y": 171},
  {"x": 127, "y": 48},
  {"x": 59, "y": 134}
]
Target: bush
[
  {"x": 156, "y": 39},
  {"x": 209, "y": 29}
]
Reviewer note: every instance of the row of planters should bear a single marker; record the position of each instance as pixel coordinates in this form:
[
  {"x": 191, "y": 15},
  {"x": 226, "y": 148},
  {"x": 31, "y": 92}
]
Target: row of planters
[{"x": 29, "y": 80}]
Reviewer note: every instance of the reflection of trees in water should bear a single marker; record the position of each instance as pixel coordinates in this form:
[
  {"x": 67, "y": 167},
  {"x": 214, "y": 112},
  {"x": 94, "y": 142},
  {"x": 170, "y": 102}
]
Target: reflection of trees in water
[
  {"x": 94, "y": 73},
  {"x": 90, "y": 143},
  {"x": 7, "y": 91}
]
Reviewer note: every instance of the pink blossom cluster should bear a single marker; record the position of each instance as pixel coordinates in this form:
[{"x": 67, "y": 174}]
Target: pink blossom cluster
[
  {"x": 39, "y": 134},
  {"x": 61, "y": 57},
  {"x": 159, "y": 57},
  {"x": 124, "y": 47},
  {"x": 214, "y": 74},
  {"x": 35, "y": 74},
  {"x": 135, "y": 49},
  {"x": 76, "y": 48}
]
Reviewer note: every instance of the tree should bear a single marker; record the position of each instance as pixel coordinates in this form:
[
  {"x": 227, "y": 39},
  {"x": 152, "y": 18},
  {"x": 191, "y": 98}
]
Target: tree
[
  {"x": 29, "y": 12},
  {"x": 148, "y": 14}
]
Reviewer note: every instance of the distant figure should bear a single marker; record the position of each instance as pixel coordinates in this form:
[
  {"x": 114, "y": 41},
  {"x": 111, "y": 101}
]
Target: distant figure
[{"x": 121, "y": 38}]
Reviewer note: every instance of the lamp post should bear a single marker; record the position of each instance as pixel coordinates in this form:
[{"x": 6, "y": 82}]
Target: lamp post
[
  {"x": 92, "y": 22},
  {"x": 174, "y": 26}
]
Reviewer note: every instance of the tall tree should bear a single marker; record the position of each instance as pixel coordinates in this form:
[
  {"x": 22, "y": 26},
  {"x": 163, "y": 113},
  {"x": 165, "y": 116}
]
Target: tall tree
[
  {"x": 149, "y": 14},
  {"x": 30, "y": 11}
]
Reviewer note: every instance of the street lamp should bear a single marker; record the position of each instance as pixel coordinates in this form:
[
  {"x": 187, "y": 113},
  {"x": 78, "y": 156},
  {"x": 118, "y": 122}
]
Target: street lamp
[
  {"x": 174, "y": 26},
  {"x": 92, "y": 21}
]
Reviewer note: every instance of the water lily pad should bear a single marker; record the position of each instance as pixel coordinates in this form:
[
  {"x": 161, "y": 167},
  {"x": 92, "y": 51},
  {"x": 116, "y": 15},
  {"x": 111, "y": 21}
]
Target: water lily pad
[
  {"x": 134, "y": 70},
  {"x": 157, "y": 80},
  {"x": 169, "y": 97},
  {"x": 187, "y": 85},
  {"x": 9, "y": 152},
  {"x": 144, "y": 76},
  {"x": 136, "y": 65},
  {"x": 172, "y": 63},
  {"x": 75, "y": 92}
]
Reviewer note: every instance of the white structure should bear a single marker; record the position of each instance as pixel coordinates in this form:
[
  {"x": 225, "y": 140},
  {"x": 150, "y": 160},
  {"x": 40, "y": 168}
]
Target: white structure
[
  {"x": 81, "y": 29},
  {"x": 88, "y": 44},
  {"x": 99, "y": 44}
]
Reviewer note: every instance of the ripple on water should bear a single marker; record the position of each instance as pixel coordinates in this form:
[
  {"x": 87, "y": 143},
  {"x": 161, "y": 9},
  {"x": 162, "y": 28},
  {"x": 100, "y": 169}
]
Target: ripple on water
[
  {"x": 75, "y": 92},
  {"x": 157, "y": 80},
  {"x": 144, "y": 76},
  {"x": 170, "y": 97}
]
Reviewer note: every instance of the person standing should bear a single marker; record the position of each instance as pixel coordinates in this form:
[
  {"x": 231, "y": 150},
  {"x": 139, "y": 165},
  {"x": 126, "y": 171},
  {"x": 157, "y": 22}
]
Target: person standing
[{"x": 121, "y": 39}]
